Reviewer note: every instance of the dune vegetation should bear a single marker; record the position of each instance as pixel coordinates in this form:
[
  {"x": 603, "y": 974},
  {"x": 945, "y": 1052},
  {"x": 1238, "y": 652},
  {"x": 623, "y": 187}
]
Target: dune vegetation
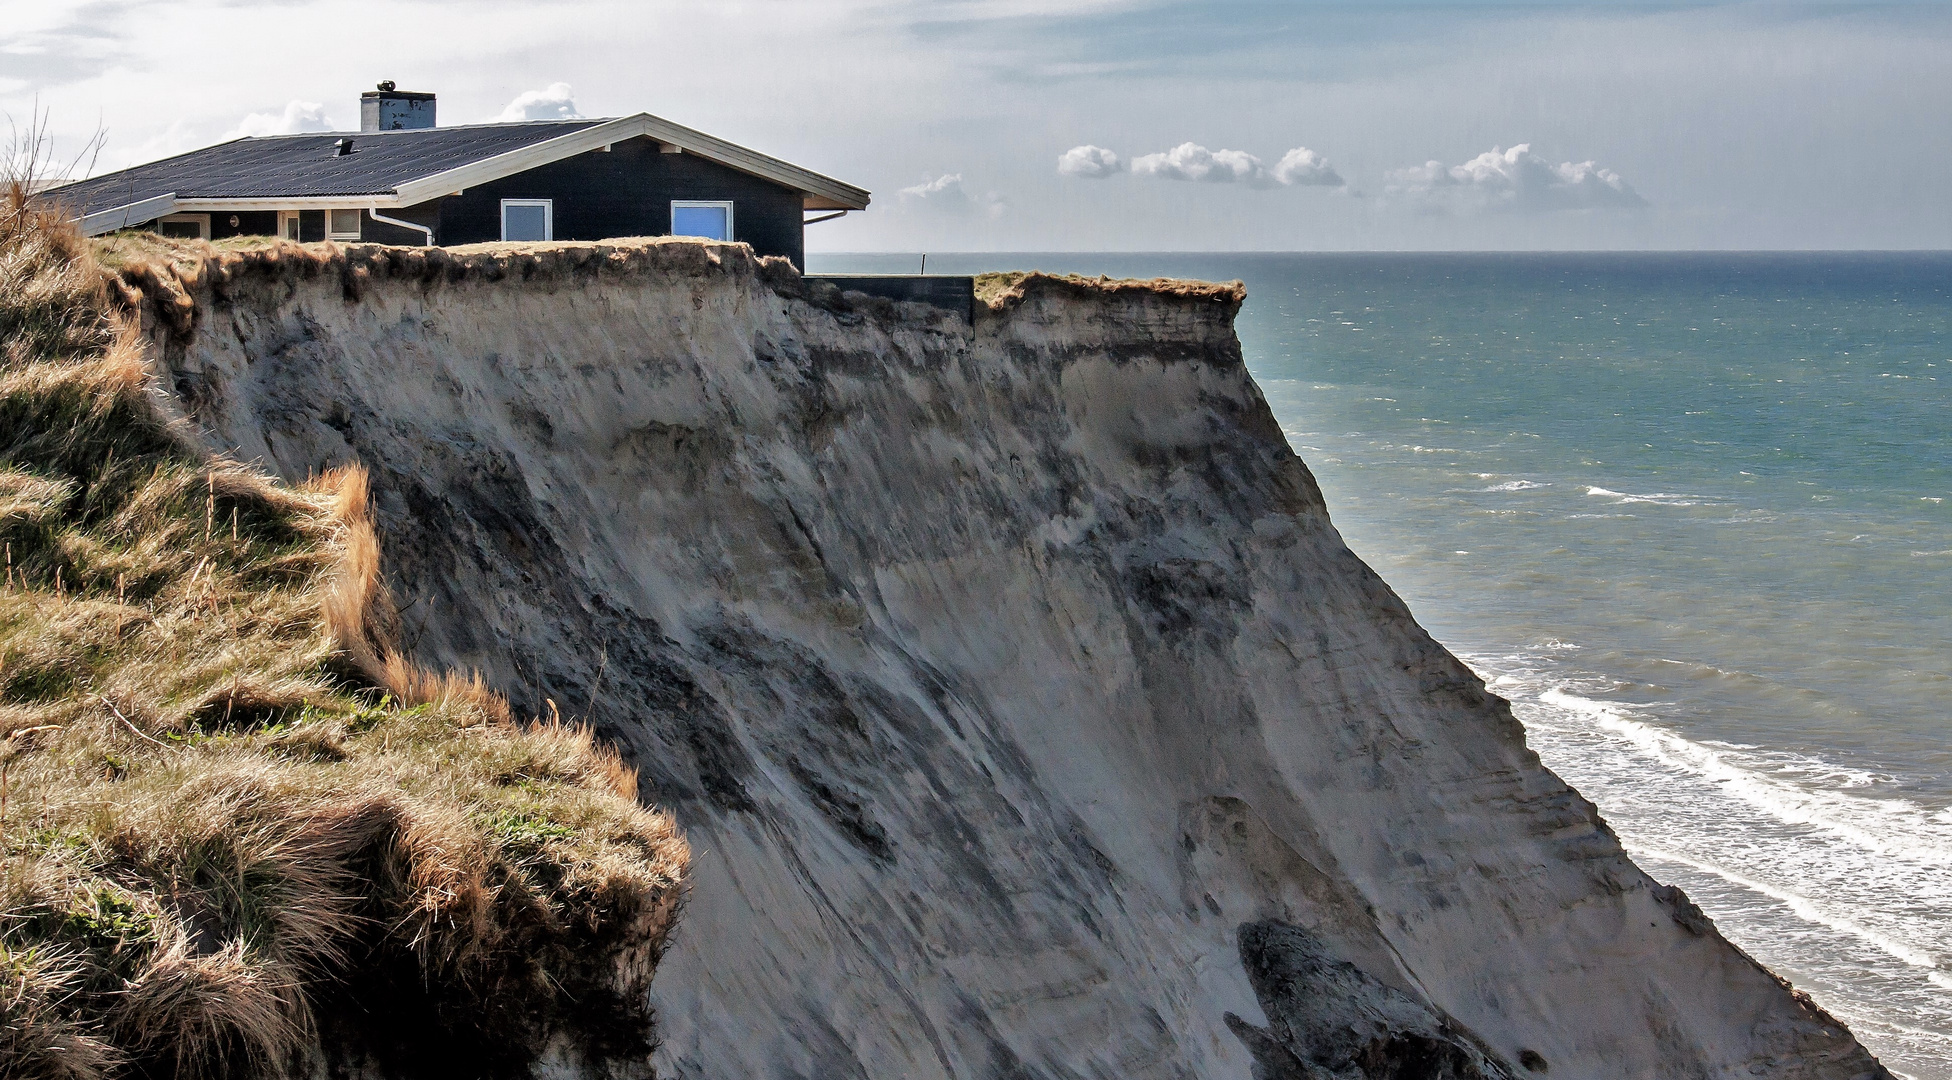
[{"x": 239, "y": 834}]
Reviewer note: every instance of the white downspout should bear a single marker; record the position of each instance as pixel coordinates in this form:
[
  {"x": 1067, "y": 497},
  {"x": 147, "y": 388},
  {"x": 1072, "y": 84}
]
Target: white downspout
[{"x": 425, "y": 230}]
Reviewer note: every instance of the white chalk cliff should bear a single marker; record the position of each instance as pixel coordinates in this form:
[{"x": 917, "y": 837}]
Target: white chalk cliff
[{"x": 1026, "y": 713}]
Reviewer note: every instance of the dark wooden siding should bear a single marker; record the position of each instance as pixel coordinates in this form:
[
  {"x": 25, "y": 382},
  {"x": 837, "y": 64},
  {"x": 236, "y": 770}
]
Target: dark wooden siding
[
  {"x": 626, "y": 192},
  {"x": 379, "y": 232},
  {"x": 249, "y": 223}
]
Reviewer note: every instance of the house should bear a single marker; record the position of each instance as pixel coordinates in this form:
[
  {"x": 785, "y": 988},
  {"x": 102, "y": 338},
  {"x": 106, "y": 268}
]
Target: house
[{"x": 402, "y": 180}]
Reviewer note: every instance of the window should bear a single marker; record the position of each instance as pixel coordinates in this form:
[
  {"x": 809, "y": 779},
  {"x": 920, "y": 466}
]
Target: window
[
  {"x": 711, "y": 220},
  {"x": 288, "y": 224},
  {"x": 342, "y": 224},
  {"x": 184, "y": 226},
  {"x": 528, "y": 219}
]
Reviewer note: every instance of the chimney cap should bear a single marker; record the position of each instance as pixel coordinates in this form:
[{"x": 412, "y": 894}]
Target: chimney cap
[
  {"x": 387, "y": 91},
  {"x": 388, "y": 86}
]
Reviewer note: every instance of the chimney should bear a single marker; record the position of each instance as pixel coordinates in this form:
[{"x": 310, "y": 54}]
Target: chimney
[{"x": 387, "y": 109}]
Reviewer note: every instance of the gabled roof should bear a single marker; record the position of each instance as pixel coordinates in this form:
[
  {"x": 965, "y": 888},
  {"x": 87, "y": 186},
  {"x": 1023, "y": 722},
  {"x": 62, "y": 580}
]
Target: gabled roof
[{"x": 392, "y": 169}]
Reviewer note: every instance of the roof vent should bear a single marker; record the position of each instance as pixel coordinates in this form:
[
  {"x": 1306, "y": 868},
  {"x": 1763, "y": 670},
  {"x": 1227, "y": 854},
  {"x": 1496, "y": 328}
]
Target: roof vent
[
  {"x": 389, "y": 109},
  {"x": 342, "y": 148}
]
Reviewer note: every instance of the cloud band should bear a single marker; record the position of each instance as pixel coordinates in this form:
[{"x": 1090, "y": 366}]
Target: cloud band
[{"x": 1191, "y": 162}]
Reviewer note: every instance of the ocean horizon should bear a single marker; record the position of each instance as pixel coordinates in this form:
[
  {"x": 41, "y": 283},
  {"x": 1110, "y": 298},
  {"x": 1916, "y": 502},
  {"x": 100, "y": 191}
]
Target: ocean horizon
[{"x": 1687, "y": 511}]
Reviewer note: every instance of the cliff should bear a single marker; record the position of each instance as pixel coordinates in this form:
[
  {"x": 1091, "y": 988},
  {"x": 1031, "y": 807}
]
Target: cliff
[{"x": 1024, "y": 711}]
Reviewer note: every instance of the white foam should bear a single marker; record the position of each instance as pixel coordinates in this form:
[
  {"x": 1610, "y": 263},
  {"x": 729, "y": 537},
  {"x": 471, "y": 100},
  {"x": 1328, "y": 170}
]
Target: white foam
[
  {"x": 1895, "y": 827},
  {"x": 1657, "y": 498},
  {"x": 1517, "y": 485},
  {"x": 1809, "y": 911}
]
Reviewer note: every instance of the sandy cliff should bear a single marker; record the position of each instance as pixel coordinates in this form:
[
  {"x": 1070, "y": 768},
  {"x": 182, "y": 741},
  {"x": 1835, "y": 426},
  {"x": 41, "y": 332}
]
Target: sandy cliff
[{"x": 1025, "y": 711}]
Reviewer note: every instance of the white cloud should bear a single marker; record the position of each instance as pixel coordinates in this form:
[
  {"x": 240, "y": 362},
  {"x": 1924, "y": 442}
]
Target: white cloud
[
  {"x": 553, "y": 103},
  {"x": 1303, "y": 167},
  {"x": 946, "y": 193},
  {"x": 1515, "y": 179},
  {"x": 1300, "y": 167},
  {"x": 1191, "y": 161},
  {"x": 298, "y": 116},
  {"x": 944, "y": 188},
  {"x": 1090, "y": 162}
]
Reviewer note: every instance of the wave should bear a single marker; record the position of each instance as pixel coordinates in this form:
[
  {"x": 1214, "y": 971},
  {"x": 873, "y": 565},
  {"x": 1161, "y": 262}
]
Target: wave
[
  {"x": 1894, "y": 827},
  {"x": 1418, "y": 448},
  {"x": 1658, "y": 498},
  {"x": 1516, "y": 485},
  {"x": 1850, "y": 889},
  {"x": 1809, "y": 911}
]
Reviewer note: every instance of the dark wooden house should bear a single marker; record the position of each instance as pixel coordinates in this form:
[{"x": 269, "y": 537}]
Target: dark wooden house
[{"x": 403, "y": 180}]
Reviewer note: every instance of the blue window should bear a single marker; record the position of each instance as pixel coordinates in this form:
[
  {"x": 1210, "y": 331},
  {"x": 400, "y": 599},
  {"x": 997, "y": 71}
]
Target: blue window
[
  {"x": 711, "y": 220},
  {"x": 528, "y": 219}
]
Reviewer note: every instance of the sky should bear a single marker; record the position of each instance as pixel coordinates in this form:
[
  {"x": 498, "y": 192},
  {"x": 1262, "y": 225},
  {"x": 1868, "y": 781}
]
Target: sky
[{"x": 1106, "y": 125}]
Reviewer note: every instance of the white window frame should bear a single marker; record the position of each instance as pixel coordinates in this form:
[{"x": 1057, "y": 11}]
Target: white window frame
[
  {"x": 731, "y": 229},
  {"x": 548, "y": 216},
  {"x": 201, "y": 221},
  {"x": 288, "y": 226},
  {"x": 358, "y": 215}
]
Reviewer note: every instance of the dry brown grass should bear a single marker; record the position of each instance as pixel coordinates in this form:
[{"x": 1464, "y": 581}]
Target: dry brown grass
[
  {"x": 236, "y": 827},
  {"x": 1001, "y": 290}
]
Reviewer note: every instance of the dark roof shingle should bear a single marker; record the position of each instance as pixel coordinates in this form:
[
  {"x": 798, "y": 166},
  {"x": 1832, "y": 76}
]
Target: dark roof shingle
[{"x": 282, "y": 166}]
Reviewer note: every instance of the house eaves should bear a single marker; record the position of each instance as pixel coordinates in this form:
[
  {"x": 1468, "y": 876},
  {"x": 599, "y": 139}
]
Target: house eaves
[
  {"x": 818, "y": 192},
  {"x": 122, "y": 217}
]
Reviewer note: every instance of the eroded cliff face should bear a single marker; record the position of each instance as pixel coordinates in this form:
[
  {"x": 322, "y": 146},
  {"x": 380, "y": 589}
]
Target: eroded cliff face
[{"x": 1026, "y": 714}]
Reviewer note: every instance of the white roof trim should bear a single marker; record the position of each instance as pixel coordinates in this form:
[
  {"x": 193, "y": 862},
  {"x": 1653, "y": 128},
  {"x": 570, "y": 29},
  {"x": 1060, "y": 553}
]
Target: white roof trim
[
  {"x": 819, "y": 192},
  {"x": 121, "y": 217},
  {"x": 290, "y": 202}
]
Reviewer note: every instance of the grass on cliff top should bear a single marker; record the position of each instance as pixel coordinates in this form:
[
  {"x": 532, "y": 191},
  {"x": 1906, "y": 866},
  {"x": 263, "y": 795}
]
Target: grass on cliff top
[
  {"x": 131, "y": 246},
  {"x": 997, "y": 290},
  {"x": 235, "y": 828}
]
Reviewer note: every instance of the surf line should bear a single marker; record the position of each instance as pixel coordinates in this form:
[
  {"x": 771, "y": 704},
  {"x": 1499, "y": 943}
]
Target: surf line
[
  {"x": 1896, "y": 835},
  {"x": 1804, "y": 908}
]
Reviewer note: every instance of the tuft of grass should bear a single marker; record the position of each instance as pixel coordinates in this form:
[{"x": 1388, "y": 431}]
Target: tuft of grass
[
  {"x": 240, "y": 834},
  {"x": 998, "y": 291}
]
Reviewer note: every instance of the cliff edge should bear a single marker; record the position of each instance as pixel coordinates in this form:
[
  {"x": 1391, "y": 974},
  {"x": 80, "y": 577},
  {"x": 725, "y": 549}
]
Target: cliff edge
[{"x": 1025, "y": 713}]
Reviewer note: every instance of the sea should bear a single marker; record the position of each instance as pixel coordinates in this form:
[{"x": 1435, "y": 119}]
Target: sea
[{"x": 1692, "y": 514}]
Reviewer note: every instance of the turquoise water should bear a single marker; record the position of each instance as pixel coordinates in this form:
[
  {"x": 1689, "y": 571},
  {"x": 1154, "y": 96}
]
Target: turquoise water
[{"x": 1689, "y": 513}]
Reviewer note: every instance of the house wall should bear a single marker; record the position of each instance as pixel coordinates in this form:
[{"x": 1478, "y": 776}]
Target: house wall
[
  {"x": 379, "y": 232},
  {"x": 627, "y": 192},
  {"x": 249, "y": 223}
]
